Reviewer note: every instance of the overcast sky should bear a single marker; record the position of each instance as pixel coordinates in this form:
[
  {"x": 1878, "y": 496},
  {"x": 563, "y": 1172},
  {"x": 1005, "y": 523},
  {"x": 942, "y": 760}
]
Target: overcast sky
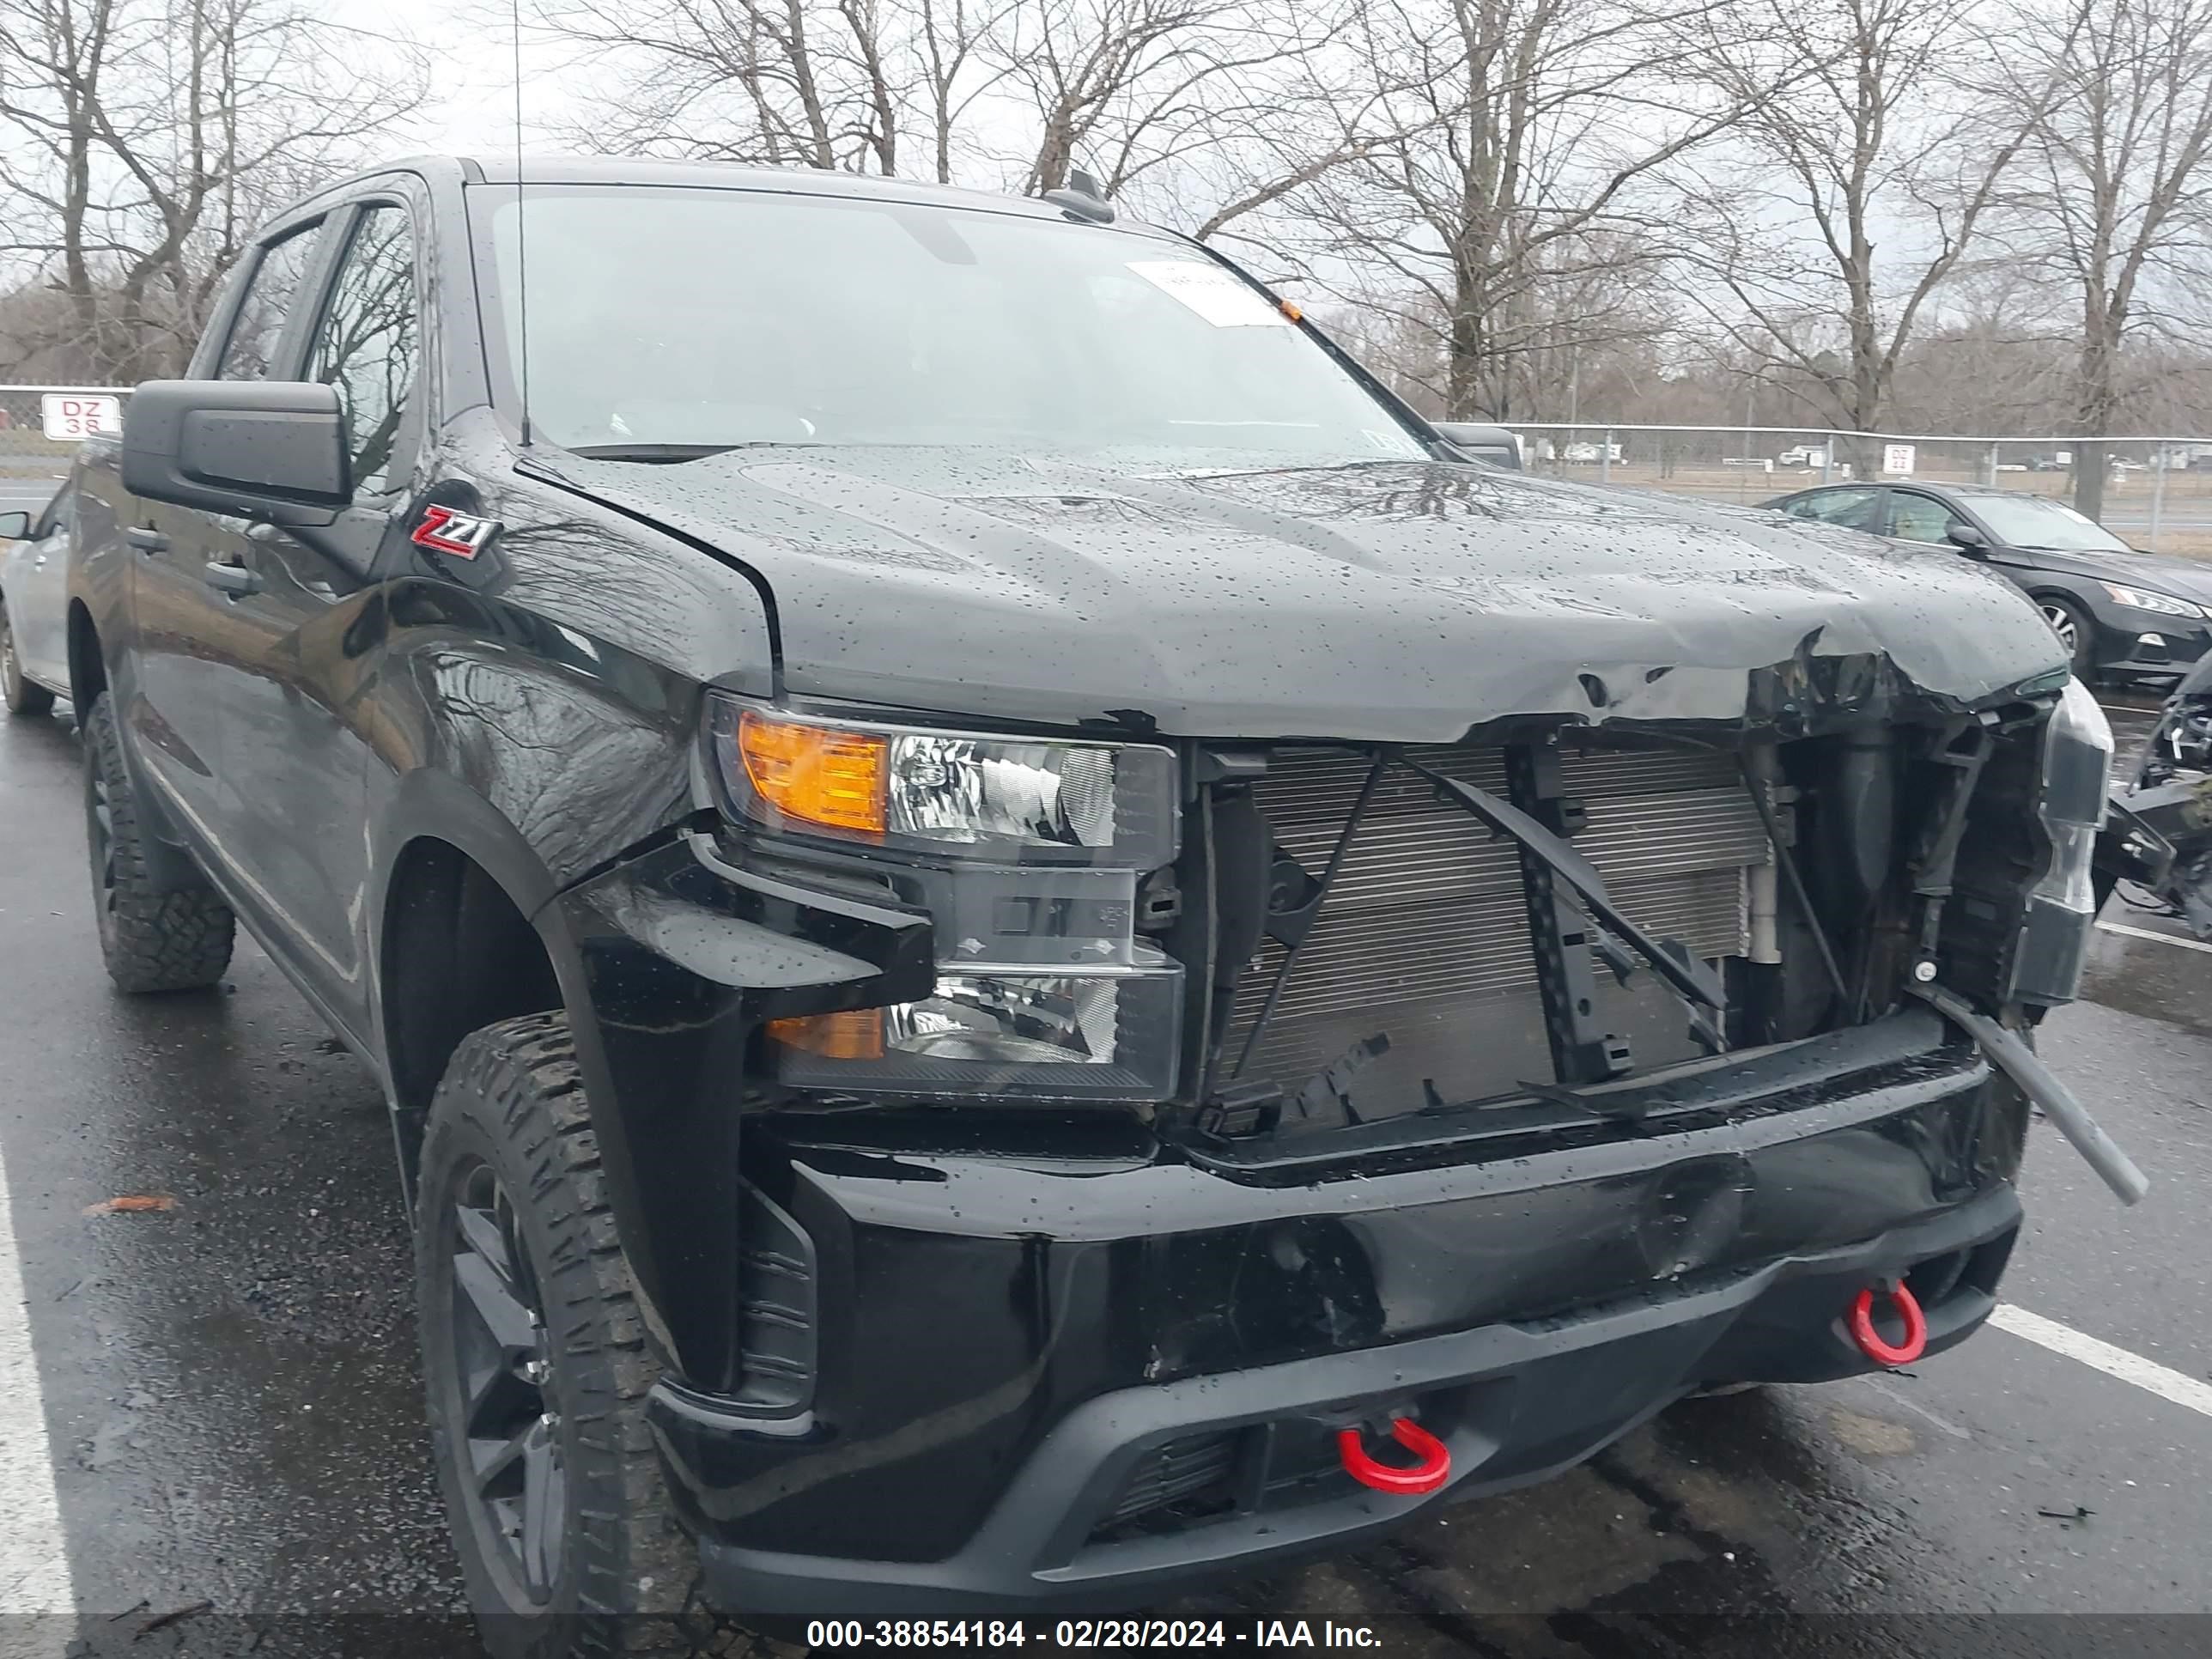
[{"x": 471, "y": 107}]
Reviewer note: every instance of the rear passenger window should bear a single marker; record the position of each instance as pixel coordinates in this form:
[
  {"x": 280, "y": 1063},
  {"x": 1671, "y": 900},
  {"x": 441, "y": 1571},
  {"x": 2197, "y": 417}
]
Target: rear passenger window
[
  {"x": 1919, "y": 518},
  {"x": 1856, "y": 509},
  {"x": 260, "y": 320},
  {"x": 368, "y": 345}
]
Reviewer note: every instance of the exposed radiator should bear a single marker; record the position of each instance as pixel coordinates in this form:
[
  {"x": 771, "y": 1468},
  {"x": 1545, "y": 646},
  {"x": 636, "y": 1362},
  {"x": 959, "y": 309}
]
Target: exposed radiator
[{"x": 1424, "y": 937}]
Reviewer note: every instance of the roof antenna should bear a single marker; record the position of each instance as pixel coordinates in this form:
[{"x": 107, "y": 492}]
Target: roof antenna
[
  {"x": 1081, "y": 199},
  {"x": 521, "y": 246}
]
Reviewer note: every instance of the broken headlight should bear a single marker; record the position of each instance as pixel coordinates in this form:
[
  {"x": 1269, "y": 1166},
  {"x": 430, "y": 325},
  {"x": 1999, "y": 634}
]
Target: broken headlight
[
  {"x": 2077, "y": 759},
  {"x": 1026, "y": 852}
]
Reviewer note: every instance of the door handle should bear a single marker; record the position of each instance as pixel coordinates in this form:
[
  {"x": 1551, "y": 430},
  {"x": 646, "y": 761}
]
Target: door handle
[
  {"x": 146, "y": 538},
  {"x": 234, "y": 580}
]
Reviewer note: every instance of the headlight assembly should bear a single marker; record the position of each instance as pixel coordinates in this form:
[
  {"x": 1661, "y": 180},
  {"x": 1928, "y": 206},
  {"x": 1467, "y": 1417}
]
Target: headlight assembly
[
  {"x": 2077, "y": 758},
  {"x": 948, "y": 793},
  {"x": 1026, "y": 853},
  {"x": 2143, "y": 599}
]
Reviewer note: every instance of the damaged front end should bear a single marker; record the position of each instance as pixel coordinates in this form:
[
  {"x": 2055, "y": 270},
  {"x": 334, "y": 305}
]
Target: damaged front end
[
  {"x": 1274, "y": 1099},
  {"x": 1267, "y": 943}
]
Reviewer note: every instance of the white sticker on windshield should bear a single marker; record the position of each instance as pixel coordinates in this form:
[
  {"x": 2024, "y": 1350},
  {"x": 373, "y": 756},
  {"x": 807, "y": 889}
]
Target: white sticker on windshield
[{"x": 1215, "y": 292}]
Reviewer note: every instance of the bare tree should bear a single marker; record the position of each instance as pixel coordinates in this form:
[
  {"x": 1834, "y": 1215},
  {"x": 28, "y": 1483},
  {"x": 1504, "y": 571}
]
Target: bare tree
[
  {"x": 1127, "y": 88},
  {"x": 2117, "y": 203},
  {"x": 1857, "y": 193},
  {"x": 1521, "y": 139},
  {"x": 780, "y": 82},
  {"x": 150, "y": 136},
  {"x": 951, "y": 36}
]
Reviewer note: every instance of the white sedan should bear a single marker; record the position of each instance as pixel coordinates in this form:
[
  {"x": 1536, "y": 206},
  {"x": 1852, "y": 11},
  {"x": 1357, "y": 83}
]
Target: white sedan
[{"x": 34, "y": 604}]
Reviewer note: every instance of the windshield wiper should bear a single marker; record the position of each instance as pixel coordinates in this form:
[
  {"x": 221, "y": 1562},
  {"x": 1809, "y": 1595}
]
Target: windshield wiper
[{"x": 665, "y": 454}]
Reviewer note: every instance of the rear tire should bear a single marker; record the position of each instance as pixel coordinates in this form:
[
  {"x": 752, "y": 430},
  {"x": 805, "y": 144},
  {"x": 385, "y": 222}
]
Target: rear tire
[
  {"x": 22, "y": 697},
  {"x": 178, "y": 940},
  {"x": 552, "y": 1486}
]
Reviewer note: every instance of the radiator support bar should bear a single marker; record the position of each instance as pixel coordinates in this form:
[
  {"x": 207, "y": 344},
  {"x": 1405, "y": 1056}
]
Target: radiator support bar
[{"x": 1582, "y": 1051}]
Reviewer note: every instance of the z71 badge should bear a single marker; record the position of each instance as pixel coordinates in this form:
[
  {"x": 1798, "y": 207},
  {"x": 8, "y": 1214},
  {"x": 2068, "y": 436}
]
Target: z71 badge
[{"x": 458, "y": 534}]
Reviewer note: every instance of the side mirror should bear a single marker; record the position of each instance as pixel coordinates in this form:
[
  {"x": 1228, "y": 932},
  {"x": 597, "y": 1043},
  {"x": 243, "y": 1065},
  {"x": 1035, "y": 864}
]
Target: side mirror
[
  {"x": 1967, "y": 538},
  {"x": 1482, "y": 441},
  {"x": 15, "y": 526},
  {"x": 274, "y": 450}
]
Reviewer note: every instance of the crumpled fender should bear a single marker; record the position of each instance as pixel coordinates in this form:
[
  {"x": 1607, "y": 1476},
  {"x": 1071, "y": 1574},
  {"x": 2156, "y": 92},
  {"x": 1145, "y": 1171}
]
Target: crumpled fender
[{"x": 678, "y": 957}]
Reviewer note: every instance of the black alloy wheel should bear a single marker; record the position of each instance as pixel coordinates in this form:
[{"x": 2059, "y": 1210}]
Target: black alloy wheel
[
  {"x": 537, "y": 1370},
  {"x": 173, "y": 933},
  {"x": 511, "y": 1443}
]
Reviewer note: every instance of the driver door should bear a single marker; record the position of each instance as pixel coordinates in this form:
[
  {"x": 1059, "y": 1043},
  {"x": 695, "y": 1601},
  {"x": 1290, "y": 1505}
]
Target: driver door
[
  {"x": 187, "y": 643},
  {"x": 296, "y": 754}
]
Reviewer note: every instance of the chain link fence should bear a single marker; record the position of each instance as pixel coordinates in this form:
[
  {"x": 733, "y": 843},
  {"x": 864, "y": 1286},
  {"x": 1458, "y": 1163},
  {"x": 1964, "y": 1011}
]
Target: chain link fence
[
  {"x": 2158, "y": 491},
  {"x": 40, "y": 426}
]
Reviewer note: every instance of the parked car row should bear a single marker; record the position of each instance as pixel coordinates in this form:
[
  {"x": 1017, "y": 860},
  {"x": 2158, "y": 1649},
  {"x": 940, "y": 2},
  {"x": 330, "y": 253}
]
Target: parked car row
[{"x": 2117, "y": 612}]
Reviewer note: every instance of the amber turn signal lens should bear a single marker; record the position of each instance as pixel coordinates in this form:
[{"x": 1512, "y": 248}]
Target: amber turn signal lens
[
  {"x": 857, "y": 1034},
  {"x": 816, "y": 772}
]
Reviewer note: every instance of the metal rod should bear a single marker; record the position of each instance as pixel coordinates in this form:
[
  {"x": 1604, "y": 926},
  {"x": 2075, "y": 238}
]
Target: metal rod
[
  {"x": 1687, "y": 976},
  {"x": 1321, "y": 898},
  {"x": 2017, "y": 1062},
  {"x": 1797, "y": 887},
  {"x": 2157, "y": 493}
]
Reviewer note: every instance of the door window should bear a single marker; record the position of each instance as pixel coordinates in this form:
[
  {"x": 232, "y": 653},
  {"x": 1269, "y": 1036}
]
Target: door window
[
  {"x": 368, "y": 343},
  {"x": 1915, "y": 518},
  {"x": 259, "y": 324},
  {"x": 1858, "y": 509}
]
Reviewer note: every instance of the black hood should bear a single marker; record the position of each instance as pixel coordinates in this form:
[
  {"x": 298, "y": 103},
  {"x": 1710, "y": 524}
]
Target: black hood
[
  {"x": 2183, "y": 579},
  {"x": 1396, "y": 601}
]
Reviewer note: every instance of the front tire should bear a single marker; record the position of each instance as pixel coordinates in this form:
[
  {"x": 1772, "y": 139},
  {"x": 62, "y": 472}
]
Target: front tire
[
  {"x": 535, "y": 1361},
  {"x": 2077, "y": 631},
  {"x": 153, "y": 939},
  {"x": 21, "y": 695}
]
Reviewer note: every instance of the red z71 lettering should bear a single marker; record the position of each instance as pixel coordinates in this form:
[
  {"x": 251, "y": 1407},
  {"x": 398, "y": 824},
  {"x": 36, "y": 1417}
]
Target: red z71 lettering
[{"x": 444, "y": 531}]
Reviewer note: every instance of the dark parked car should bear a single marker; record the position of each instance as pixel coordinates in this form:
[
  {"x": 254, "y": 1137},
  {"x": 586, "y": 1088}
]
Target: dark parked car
[
  {"x": 1023, "y": 950},
  {"x": 2117, "y": 611}
]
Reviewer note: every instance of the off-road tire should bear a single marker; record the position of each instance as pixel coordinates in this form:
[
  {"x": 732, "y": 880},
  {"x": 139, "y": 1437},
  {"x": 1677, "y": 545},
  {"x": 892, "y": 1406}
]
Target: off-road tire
[
  {"x": 153, "y": 940},
  {"x": 22, "y": 697},
  {"x": 512, "y": 1099}
]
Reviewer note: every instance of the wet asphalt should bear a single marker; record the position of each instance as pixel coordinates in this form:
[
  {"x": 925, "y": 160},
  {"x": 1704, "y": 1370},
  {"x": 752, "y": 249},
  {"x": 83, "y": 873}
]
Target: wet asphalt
[{"x": 231, "y": 1392}]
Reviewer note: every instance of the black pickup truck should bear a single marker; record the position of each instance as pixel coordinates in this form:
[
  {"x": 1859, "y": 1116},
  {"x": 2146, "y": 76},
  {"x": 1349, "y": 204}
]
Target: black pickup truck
[{"x": 1026, "y": 948}]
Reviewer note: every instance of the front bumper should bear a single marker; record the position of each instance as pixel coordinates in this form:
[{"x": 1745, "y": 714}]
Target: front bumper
[
  {"x": 1514, "y": 1404},
  {"x": 1007, "y": 1343},
  {"x": 2143, "y": 642}
]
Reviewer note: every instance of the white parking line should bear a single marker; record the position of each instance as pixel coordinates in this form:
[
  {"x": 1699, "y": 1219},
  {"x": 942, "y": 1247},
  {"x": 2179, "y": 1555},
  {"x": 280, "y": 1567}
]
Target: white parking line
[
  {"x": 2159, "y": 939},
  {"x": 2161, "y": 1379},
  {"x": 34, "y": 1575}
]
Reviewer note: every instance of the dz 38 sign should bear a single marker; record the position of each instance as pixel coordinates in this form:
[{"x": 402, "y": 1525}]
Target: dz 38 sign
[{"x": 71, "y": 415}]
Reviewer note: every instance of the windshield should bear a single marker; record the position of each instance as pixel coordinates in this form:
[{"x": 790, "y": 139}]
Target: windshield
[
  {"x": 683, "y": 317},
  {"x": 2026, "y": 521}
]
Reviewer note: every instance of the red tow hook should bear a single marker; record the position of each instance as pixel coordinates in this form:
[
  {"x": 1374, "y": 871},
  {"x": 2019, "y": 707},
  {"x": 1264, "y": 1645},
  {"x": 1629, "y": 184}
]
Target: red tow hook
[
  {"x": 1869, "y": 1340},
  {"x": 1431, "y": 1473}
]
